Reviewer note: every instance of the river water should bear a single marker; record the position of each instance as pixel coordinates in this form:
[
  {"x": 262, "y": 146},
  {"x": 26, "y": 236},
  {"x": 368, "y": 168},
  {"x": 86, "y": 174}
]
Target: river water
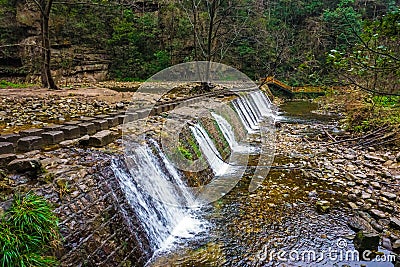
[{"x": 276, "y": 225}]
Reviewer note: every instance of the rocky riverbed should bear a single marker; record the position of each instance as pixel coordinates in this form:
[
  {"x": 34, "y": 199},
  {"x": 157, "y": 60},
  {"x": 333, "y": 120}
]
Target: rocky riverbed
[{"x": 367, "y": 178}]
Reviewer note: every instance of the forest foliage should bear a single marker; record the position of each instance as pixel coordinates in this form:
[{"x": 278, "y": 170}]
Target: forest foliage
[{"x": 300, "y": 42}]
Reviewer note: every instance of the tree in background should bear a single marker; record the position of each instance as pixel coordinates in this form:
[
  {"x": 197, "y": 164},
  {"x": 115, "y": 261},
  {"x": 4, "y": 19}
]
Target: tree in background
[
  {"x": 373, "y": 64},
  {"x": 45, "y": 9}
]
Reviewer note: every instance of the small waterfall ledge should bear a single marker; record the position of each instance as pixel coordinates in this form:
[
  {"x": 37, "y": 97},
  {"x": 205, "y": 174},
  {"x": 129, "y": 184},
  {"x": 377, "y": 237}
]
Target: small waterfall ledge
[{"x": 167, "y": 209}]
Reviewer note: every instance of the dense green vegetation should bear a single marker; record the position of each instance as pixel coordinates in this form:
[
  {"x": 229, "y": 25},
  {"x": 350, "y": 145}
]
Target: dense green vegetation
[
  {"x": 299, "y": 42},
  {"x": 28, "y": 233}
]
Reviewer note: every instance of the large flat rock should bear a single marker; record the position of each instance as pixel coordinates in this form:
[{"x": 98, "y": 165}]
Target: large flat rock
[
  {"x": 10, "y": 138},
  {"x": 24, "y": 165}
]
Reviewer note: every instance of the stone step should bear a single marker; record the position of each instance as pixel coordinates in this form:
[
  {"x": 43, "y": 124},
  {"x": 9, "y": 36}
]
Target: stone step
[
  {"x": 10, "y": 138},
  {"x": 31, "y": 132},
  {"x": 87, "y": 119},
  {"x": 29, "y": 143},
  {"x": 112, "y": 121},
  {"x": 101, "y": 138},
  {"x": 73, "y": 122},
  {"x": 53, "y": 137},
  {"x": 6, "y": 158},
  {"x": 87, "y": 128},
  {"x": 52, "y": 127},
  {"x": 6, "y": 148},
  {"x": 100, "y": 124},
  {"x": 71, "y": 132}
]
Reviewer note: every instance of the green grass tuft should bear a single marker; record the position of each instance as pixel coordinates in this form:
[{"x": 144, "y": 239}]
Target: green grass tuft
[{"x": 28, "y": 233}]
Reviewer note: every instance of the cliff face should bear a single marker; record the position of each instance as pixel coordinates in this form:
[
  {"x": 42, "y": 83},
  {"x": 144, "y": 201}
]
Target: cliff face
[{"x": 20, "y": 49}]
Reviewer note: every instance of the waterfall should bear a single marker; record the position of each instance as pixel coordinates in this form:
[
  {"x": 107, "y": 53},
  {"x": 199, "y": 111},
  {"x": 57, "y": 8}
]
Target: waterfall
[
  {"x": 158, "y": 205},
  {"x": 166, "y": 208},
  {"x": 229, "y": 135},
  {"x": 252, "y": 108},
  {"x": 209, "y": 150}
]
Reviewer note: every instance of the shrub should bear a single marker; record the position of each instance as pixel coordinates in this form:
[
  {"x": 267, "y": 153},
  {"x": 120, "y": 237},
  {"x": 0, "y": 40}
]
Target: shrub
[{"x": 28, "y": 232}]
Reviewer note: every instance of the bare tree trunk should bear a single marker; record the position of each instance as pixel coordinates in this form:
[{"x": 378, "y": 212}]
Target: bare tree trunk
[{"x": 47, "y": 79}]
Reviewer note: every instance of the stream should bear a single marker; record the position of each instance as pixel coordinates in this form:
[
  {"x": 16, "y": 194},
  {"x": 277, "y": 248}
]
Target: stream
[{"x": 276, "y": 225}]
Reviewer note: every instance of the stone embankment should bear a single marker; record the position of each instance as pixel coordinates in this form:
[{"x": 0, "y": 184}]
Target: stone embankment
[{"x": 69, "y": 164}]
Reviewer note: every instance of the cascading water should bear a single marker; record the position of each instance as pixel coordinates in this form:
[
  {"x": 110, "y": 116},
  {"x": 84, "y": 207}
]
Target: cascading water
[
  {"x": 157, "y": 204},
  {"x": 155, "y": 189},
  {"x": 209, "y": 150},
  {"x": 229, "y": 135},
  {"x": 252, "y": 108}
]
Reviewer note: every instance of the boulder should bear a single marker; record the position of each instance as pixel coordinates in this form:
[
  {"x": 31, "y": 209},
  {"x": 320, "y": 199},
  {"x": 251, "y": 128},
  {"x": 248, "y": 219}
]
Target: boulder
[{"x": 366, "y": 240}]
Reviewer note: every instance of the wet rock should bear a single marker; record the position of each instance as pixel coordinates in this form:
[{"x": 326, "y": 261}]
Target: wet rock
[
  {"x": 6, "y": 158},
  {"x": 353, "y": 206},
  {"x": 29, "y": 143},
  {"x": 120, "y": 105},
  {"x": 377, "y": 213},
  {"x": 374, "y": 158},
  {"x": 6, "y": 148},
  {"x": 389, "y": 195},
  {"x": 323, "y": 206},
  {"x": 386, "y": 243},
  {"x": 396, "y": 246},
  {"x": 33, "y": 166},
  {"x": 376, "y": 226},
  {"x": 350, "y": 156},
  {"x": 376, "y": 185},
  {"x": 366, "y": 240},
  {"x": 365, "y": 195},
  {"x": 395, "y": 223}
]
